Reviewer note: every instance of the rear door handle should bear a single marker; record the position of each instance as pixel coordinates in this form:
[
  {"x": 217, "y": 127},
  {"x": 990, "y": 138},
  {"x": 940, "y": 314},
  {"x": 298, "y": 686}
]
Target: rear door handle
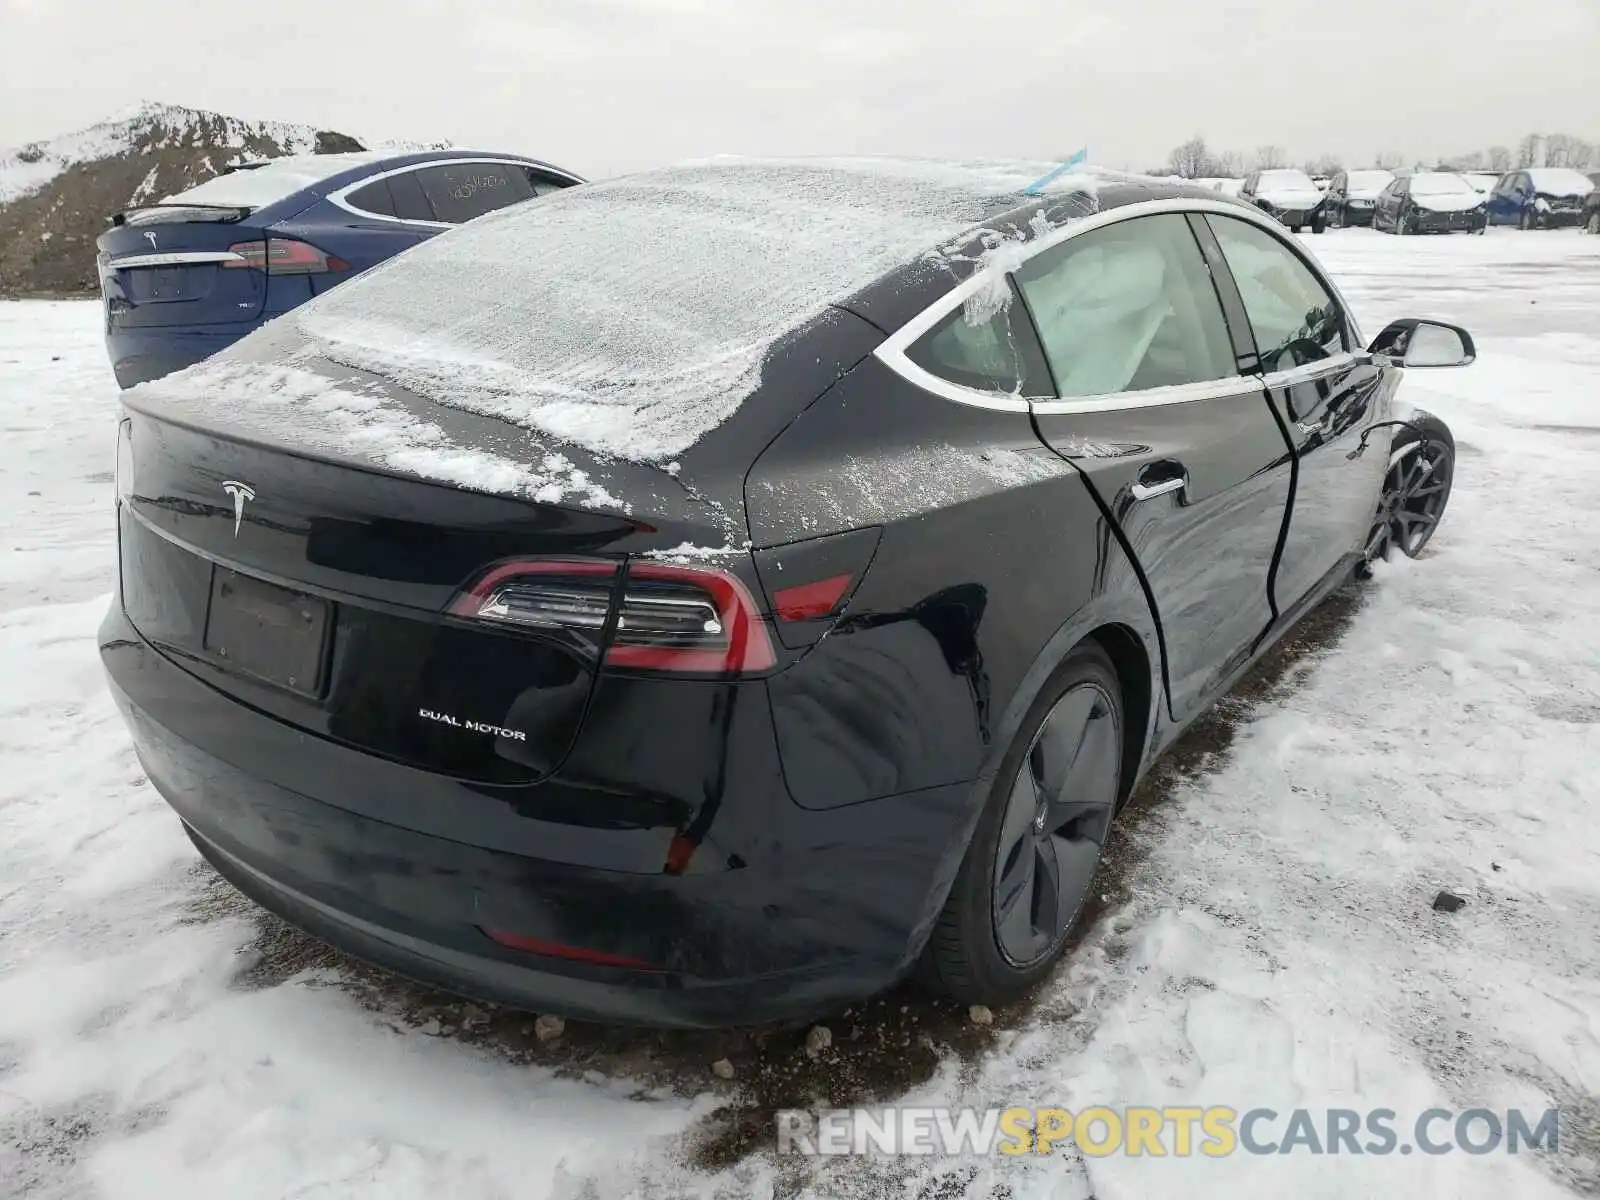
[{"x": 1159, "y": 479}]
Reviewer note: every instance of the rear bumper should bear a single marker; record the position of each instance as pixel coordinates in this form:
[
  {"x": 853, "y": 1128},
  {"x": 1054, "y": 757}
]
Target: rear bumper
[
  {"x": 783, "y": 912},
  {"x": 141, "y": 354}
]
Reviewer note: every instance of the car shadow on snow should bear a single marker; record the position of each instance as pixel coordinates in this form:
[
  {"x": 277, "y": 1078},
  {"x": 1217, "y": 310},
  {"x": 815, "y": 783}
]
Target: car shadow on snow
[{"x": 877, "y": 1049}]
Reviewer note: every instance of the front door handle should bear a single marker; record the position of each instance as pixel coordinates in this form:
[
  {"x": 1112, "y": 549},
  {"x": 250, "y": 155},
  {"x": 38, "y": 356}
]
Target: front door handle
[
  {"x": 1309, "y": 427},
  {"x": 1159, "y": 479}
]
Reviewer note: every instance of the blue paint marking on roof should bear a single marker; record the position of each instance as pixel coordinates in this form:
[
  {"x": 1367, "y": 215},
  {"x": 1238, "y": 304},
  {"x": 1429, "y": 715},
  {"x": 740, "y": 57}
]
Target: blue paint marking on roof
[{"x": 1039, "y": 184}]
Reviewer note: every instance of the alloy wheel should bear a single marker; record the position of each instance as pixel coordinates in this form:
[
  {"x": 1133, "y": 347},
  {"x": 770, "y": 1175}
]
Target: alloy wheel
[
  {"x": 1055, "y": 824},
  {"x": 1414, "y": 494}
]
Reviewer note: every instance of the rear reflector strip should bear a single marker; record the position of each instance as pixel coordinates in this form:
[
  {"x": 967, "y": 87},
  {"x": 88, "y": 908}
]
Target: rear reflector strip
[
  {"x": 549, "y": 949},
  {"x": 808, "y": 601}
]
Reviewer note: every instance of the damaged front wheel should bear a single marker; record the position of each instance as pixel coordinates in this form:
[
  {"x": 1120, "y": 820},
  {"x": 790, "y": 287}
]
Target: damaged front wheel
[{"x": 1416, "y": 489}]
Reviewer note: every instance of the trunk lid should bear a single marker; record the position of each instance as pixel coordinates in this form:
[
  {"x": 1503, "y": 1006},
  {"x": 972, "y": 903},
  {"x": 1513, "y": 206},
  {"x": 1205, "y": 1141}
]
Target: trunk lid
[
  {"x": 174, "y": 266},
  {"x": 318, "y": 592}
]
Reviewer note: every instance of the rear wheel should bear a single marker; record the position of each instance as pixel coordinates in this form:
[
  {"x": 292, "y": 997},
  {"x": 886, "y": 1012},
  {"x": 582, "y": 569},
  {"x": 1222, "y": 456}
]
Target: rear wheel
[
  {"x": 1415, "y": 490},
  {"x": 1037, "y": 845}
]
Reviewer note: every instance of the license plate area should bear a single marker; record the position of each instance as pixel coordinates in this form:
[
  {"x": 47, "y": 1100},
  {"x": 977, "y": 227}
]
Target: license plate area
[{"x": 274, "y": 634}]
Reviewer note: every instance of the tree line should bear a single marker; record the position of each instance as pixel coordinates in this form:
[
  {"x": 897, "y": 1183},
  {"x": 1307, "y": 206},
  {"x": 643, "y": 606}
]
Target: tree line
[{"x": 1196, "y": 160}]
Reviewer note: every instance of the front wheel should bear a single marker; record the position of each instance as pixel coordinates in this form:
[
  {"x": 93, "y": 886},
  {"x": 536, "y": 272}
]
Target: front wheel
[
  {"x": 1037, "y": 846},
  {"x": 1319, "y": 223},
  {"x": 1416, "y": 490}
]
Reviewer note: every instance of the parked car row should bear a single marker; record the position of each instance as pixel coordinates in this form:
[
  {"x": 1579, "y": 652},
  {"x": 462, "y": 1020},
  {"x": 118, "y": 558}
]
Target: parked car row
[
  {"x": 1407, "y": 201},
  {"x": 194, "y": 273}
]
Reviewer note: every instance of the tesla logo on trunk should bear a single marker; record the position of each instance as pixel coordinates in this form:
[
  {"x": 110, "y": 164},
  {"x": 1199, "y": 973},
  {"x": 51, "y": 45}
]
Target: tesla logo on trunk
[
  {"x": 152, "y": 238},
  {"x": 241, "y": 493}
]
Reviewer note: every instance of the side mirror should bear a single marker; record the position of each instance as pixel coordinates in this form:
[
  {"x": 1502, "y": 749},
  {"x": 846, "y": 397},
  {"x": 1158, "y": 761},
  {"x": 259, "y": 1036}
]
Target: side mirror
[{"x": 1414, "y": 343}]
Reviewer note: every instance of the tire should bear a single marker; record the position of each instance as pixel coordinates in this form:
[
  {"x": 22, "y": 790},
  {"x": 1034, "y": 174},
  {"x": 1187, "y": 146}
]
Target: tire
[
  {"x": 1319, "y": 223},
  {"x": 1296, "y": 228},
  {"x": 1413, "y": 501},
  {"x": 1525, "y": 222},
  {"x": 967, "y": 956}
]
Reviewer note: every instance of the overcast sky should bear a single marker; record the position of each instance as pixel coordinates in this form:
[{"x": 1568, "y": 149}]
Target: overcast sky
[{"x": 604, "y": 86}]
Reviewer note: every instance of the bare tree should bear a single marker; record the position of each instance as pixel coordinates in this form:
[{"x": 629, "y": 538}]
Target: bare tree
[
  {"x": 1471, "y": 161},
  {"x": 1270, "y": 156},
  {"x": 1190, "y": 159},
  {"x": 1528, "y": 151},
  {"x": 1230, "y": 163},
  {"x": 1388, "y": 160},
  {"x": 1558, "y": 150},
  {"x": 1325, "y": 164},
  {"x": 1499, "y": 159}
]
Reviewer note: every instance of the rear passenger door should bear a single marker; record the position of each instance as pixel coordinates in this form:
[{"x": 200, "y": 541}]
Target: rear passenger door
[
  {"x": 1178, "y": 445},
  {"x": 1327, "y": 390}
]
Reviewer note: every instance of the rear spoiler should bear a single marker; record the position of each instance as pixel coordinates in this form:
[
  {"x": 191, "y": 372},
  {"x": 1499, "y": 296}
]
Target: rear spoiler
[{"x": 168, "y": 214}]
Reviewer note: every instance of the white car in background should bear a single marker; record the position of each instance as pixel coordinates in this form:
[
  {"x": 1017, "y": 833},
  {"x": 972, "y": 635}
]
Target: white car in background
[
  {"x": 1482, "y": 182},
  {"x": 1288, "y": 194}
]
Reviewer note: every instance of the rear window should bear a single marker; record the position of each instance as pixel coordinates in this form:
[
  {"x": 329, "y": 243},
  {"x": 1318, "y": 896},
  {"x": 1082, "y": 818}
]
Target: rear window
[
  {"x": 257, "y": 187},
  {"x": 632, "y": 316}
]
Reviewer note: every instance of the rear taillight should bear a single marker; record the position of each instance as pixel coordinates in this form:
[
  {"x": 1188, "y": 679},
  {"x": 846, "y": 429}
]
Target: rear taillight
[
  {"x": 283, "y": 256},
  {"x": 669, "y": 618}
]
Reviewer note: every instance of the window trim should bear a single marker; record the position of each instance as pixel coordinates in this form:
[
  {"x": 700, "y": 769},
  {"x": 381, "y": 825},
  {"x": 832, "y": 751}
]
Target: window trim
[
  {"x": 341, "y": 197},
  {"x": 891, "y": 351}
]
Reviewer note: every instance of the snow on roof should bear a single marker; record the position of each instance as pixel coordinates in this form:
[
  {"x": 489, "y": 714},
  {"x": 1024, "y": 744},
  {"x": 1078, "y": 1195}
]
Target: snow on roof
[
  {"x": 1560, "y": 181},
  {"x": 274, "y": 180},
  {"x": 631, "y": 317}
]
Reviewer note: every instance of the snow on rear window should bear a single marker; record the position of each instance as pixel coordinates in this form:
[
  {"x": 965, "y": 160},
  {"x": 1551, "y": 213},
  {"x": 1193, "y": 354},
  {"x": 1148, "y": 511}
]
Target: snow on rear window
[
  {"x": 277, "y": 180},
  {"x": 631, "y": 317},
  {"x": 1560, "y": 181}
]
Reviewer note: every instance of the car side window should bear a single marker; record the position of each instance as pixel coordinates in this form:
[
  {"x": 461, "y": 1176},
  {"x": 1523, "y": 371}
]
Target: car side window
[
  {"x": 374, "y": 199},
  {"x": 460, "y": 191},
  {"x": 988, "y": 347},
  {"x": 1402, "y": 187},
  {"x": 1296, "y": 321},
  {"x": 409, "y": 202},
  {"x": 1127, "y": 307}
]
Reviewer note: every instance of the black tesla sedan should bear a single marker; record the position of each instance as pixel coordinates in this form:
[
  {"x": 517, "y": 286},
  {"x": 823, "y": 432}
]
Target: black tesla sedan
[{"x": 713, "y": 594}]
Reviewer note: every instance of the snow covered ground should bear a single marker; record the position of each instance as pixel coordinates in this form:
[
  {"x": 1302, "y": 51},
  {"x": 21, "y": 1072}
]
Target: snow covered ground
[{"x": 1269, "y": 940}]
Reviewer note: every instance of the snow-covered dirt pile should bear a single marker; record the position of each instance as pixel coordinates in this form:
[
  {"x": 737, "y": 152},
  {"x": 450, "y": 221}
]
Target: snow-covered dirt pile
[{"x": 1267, "y": 937}]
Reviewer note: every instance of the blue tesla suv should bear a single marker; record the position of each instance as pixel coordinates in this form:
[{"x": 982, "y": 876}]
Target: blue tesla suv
[{"x": 188, "y": 276}]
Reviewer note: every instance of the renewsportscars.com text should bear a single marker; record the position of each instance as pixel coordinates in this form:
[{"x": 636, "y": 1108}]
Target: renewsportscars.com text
[{"x": 1212, "y": 1132}]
